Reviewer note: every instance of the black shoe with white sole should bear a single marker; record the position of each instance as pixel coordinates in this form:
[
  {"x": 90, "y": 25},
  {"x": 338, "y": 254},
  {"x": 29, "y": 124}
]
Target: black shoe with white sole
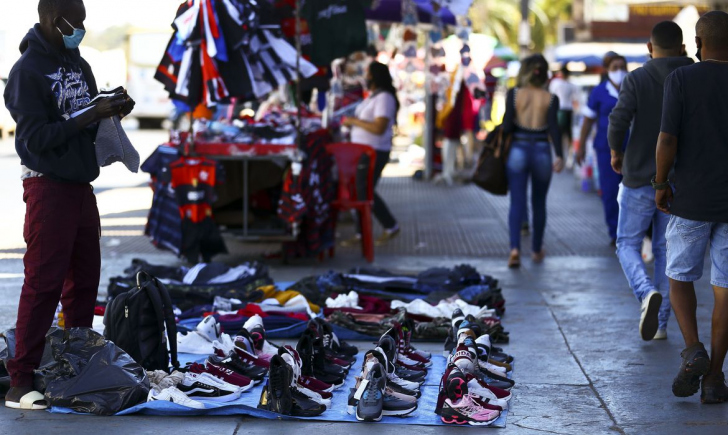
[{"x": 649, "y": 317}]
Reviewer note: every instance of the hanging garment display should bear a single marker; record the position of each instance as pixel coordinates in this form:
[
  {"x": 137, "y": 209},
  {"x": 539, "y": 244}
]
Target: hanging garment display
[
  {"x": 338, "y": 28},
  {"x": 193, "y": 179},
  {"x": 227, "y": 48},
  {"x": 307, "y": 199}
]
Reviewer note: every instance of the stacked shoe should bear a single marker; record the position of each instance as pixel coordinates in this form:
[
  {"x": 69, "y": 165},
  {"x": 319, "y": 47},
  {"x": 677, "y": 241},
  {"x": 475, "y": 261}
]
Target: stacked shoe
[
  {"x": 204, "y": 386},
  {"x": 254, "y": 331},
  {"x": 281, "y": 394},
  {"x": 228, "y": 355},
  {"x": 375, "y": 396},
  {"x": 331, "y": 341},
  {"x": 484, "y": 323},
  {"x": 475, "y": 387},
  {"x": 306, "y": 387},
  {"x": 174, "y": 395},
  {"x": 314, "y": 362},
  {"x": 200, "y": 340}
]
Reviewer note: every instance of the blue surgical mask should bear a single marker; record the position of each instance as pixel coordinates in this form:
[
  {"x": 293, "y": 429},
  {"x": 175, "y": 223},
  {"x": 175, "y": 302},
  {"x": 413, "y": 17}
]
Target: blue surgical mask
[{"x": 73, "y": 41}]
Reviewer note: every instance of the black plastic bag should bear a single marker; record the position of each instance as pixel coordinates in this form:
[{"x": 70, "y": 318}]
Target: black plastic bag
[{"x": 92, "y": 375}]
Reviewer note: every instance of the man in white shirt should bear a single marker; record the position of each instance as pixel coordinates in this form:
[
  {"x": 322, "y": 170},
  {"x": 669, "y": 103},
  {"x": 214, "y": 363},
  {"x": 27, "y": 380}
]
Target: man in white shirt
[{"x": 566, "y": 92}]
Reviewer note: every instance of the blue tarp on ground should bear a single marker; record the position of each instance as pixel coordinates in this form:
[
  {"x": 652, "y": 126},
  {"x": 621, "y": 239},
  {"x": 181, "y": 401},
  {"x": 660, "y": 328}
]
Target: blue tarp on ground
[{"x": 248, "y": 402}]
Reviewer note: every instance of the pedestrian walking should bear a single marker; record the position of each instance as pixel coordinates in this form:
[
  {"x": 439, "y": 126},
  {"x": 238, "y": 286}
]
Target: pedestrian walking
[
  {"x": 601, "y": 101},
  {"x": 373, "y": 126},
  {"x": 531, "y": 119},
  {"x": 640, "y": 109},
  {"x": 62, "y": 263},
  {"x": 566, "y": 91},
  {"x": 694, "y": 138}
]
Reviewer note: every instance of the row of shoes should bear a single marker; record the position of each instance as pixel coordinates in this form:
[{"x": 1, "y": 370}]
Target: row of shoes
[
  {"x": 391, "y": 377},
  {"x": 475, "y": 388},
  {"x": 301, "y": 381}
]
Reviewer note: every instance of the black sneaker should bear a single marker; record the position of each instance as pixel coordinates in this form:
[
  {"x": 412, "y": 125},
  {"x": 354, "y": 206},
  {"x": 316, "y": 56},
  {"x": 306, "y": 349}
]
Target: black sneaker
[
  {"x": 695, "y": 364},
  {"x": 280, "y": 396},
  {"x": 276, "y": 395},
  {"x": 332, "y": 342},
  {"x": 371, "y": 403},
  {"x": 714, "y": 389},
  {"x": 314, "y": 365}
]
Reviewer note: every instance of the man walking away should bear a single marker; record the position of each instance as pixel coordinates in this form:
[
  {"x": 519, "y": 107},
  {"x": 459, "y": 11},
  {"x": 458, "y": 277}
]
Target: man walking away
[
  {"x": 46, "y": 86},
  {"x": 640, "y": 107},
  {"x": 694, "y": 137},
  {"x": 566, "y": 91}
]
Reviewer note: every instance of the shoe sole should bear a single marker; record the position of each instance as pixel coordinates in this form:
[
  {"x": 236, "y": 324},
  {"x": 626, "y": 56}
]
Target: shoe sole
[
  {"x": 400, "y": 412},
  {"x": 687, "y": 383},
  {"x": 462, "y": 421},
  {"x": 368, "y": 418},
  {"x": 649, "y": 322}
]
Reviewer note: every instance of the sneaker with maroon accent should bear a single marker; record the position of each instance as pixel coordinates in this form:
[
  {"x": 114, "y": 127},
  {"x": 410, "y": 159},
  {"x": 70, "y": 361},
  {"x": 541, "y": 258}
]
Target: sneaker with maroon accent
[
  {"x": 223, "y": 373},
  {"x": 467, "y": 410},
  {"x": 247, "y": 357},
  {"x": 234, "y": 363}
]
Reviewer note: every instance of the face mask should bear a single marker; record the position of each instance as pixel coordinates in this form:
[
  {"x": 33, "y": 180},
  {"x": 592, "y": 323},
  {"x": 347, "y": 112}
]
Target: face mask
[
  {"x": 73, "y": 41},
  {"x": 617, "y": 76},
  {"x": 698, "y": 54}
]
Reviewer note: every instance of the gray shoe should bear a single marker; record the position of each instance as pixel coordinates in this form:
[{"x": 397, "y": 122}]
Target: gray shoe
[
  {"x": 695, "y": 364},
  {"x": 371, "y": 402}
]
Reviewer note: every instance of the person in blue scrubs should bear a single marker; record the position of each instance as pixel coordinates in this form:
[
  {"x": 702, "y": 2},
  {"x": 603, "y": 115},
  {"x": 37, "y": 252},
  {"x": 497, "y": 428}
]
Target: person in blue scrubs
[{"x": 602, "y": 100}]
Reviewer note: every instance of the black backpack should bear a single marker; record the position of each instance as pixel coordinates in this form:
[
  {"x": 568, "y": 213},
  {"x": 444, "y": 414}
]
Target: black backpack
[{"x": 135, "y": 321}]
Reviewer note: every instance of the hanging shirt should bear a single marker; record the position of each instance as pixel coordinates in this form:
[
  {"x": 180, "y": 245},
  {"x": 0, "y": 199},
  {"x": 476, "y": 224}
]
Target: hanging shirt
[
  {"x": 379, "y": 105},
  {"x": 338, "y": 28},
  {"x": 601, "y": 101}
]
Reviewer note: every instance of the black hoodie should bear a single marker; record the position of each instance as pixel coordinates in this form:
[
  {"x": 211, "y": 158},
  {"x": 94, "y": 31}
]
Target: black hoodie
[
  {"x": 44, "y": 87},
  {"x": 640, "y": 107}
]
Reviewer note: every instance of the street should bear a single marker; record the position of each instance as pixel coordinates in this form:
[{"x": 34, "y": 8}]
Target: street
[{"x": 581, "y": 366}]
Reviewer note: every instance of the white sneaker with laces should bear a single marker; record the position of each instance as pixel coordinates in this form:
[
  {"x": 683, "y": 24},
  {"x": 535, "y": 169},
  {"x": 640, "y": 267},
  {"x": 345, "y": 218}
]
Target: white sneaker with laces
[
  {"x": 174, "y": 395},
  {"x": 209, "y": 329},
  {"x": 193, "y": 342}
]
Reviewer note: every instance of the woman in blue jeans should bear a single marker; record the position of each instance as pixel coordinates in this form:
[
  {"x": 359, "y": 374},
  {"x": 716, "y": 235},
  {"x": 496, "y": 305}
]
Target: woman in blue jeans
[{"x": 532, "y": 119}]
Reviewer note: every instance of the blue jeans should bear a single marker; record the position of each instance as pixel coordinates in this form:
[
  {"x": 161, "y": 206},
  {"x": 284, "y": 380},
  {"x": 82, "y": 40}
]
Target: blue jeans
[
  {"x": 687, "y": 241},
  {"x": 609, "y": 182},
  {"x": 636, "y": 211},
  {"x": 528, "y": 158}
]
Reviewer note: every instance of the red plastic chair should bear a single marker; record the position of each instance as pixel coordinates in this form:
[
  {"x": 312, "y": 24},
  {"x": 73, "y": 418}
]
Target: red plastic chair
[{"x": 347, "y": 156}]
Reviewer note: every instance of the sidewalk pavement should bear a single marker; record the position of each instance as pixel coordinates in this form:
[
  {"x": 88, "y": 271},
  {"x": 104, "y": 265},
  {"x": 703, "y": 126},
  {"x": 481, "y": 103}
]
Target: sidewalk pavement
[{"x": 581, "y": 366}]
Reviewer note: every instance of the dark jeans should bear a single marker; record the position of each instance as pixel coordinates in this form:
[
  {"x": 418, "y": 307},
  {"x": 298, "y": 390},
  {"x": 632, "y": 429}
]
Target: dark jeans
[
  {"x": 381, "y": 211},
  {"x": 528, "y": 158},
  {"x": 62, "y": 263}
]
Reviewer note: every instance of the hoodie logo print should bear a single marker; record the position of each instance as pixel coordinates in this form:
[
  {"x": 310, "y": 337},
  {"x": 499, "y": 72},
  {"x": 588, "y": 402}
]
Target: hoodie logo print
[{"x": 70, "y": 90}]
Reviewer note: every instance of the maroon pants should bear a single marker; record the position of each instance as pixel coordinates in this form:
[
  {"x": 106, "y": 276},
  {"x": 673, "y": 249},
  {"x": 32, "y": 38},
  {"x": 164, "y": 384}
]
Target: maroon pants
[{"x": 63, "y": 263}]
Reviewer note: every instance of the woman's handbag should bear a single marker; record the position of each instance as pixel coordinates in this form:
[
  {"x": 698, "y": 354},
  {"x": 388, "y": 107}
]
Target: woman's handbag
[{"x": 490, "y": 174}]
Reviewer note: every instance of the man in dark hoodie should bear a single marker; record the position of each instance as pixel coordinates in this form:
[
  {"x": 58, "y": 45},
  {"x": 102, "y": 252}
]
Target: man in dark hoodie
[
  {"x": 640, "y": 107},
  {"x": 48, "y": 84}
]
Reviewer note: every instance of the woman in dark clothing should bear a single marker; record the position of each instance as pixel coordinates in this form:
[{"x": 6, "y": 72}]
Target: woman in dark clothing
[{"x": 531, "y": 118}]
